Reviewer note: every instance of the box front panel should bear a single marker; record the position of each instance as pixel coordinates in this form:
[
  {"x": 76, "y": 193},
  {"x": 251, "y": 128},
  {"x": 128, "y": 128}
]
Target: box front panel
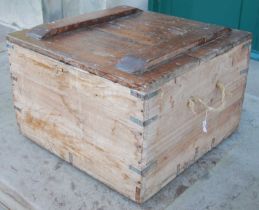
[{"x": 82, "y": 118}]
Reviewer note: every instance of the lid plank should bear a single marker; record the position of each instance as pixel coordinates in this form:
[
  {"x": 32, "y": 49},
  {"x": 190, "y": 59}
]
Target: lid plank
[
  {"x": 127, "y": 45},
  {"x": 45, "y": 31}
]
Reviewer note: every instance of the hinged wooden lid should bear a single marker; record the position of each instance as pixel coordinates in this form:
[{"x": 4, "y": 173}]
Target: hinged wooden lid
[{"x": 125, "y": 44}]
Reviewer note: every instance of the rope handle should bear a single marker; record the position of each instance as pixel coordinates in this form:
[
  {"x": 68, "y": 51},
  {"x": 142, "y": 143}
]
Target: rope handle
[{"x": 195, "y": 100}]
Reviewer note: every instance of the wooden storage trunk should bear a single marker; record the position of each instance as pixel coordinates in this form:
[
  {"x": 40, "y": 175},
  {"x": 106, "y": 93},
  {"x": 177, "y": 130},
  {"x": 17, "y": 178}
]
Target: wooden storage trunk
[{"x": 130, "y": 97}]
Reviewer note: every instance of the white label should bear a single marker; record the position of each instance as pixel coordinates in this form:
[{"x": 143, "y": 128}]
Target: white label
[{"x": 205, "y": 126}]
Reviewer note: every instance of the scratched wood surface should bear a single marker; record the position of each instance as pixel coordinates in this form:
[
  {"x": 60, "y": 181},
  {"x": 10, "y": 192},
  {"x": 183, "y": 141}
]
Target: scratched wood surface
[
  {"x": 82, "y": 118},
  {"x": 110, "y": 94},
  {"x": 122, "y": 44},
  {"x": 176, "y": 139}
]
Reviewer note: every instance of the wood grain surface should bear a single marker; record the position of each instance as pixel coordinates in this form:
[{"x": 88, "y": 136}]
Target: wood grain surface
[{"x": 131, "y": 50}]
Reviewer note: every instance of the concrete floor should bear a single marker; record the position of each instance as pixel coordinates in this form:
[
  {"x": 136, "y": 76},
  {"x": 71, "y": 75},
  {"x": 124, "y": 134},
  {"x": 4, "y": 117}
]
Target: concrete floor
[{"x": 32, "y": 178}]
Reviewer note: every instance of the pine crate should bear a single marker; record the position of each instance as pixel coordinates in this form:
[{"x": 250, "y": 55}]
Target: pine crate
[{"x": 130, "y": 97}]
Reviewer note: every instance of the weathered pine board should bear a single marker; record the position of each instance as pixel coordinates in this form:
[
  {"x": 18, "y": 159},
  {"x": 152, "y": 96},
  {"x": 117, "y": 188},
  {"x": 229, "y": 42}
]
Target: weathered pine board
[
  {"x": 71, "y": 113},
  {"x": 176, "y": 139}
]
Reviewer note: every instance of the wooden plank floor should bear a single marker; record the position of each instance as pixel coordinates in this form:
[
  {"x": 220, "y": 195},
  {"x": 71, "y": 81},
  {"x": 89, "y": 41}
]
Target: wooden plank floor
[{"x": 32, "y": 178}]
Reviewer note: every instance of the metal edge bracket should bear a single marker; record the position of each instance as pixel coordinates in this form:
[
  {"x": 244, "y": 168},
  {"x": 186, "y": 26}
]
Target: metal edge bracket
[
  {"x": 143, "y": 123},
  {"x": 9, "y": 45},
  {"x": 145, "y": 170},
  {"x": 144, "y": 97},
  {"x": 244, "y": 71}
]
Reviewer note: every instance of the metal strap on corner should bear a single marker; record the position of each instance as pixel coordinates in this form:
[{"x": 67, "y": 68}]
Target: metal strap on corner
[
  {"x": 144, "y": 97},
  {"x": 145, "y": 170}
]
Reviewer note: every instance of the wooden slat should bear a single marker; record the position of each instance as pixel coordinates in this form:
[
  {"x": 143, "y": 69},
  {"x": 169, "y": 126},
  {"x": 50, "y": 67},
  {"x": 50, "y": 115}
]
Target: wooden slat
[{"x": 68, "y": 24}]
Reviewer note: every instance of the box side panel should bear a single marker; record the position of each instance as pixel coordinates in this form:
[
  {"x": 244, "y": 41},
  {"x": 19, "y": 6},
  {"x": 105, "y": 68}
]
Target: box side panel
[
  {"x": 176, "y": 139},
  {"x": 84, "y": 119}
]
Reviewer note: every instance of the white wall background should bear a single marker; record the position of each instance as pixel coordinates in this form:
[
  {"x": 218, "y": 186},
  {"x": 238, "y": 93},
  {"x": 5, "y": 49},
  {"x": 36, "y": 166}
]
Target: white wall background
[
  {"x": 28, "y": 13},
  {"x": 21, "y": 13},
  {"x": 75, "y": 7},
  {"x": 142, "y": 4}
]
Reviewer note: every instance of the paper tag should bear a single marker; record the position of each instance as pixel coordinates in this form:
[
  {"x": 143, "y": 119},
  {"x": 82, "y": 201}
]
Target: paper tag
[{"x": 205, "y": 126}]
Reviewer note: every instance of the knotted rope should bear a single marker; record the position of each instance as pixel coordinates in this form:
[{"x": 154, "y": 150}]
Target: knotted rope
[{"x": 195, "y": 100}]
